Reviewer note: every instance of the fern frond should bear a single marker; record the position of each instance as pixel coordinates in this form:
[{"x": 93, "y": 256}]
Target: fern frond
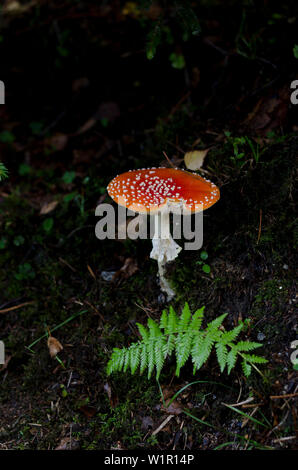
[
  {"x": 197, "y": 319},
  {"x": 201, "y": 350},
  {"x": 143, "y": 357},
  {"x": 221, "y": 353},
  {"x": 215, "y": 324},
  {"x": 172, "y": 323},
  {"x": 254, "y": 359},
  {"x": 232, "y": 359},
  {"x": 184, "y": 337},
  {"x": 246, "y": 368},
  {"x": 164, "y": 320},
  {"x": 184, "y": 319},
  {"x": 247, "y": 345},
  {"x": 135, "y": 350},
  {"x": 3, "y": 171},
  {"x": 143, "y": 331},
  {"x": 229, "y": 336}
]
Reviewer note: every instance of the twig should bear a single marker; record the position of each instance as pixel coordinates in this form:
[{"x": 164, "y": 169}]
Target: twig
[
  {"x": 171, "y": 163},
  {"x": 247, "y": 419},
  {"x": 260, "y": 227},
  {"x": 242, "y": 402},
  {"x": 5, "y": 310},
  {"x": 288, "y": 438},
  {"x": 67, "y": 264},
  {"x": 162, "y": 425},
  {"x": 288, "y": 395}
]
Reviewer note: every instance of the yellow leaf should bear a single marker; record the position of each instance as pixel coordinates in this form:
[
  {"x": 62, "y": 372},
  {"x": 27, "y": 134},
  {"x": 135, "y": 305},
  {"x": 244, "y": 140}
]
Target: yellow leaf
[
  {"x": 48, "y": 207},
  {"x": 54, "y": 346},
  {"x": 194, "y": 160}
]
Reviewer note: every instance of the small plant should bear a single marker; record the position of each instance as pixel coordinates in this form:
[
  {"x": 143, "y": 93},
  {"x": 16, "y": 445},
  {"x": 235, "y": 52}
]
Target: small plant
[
  {"x": 184, "y": 337},
  {"x": 3, "y": 172},
  {"x": 205, "y": 267},
  {"x": 25, "y": 272},
  {"x": 240, "y": 149}
]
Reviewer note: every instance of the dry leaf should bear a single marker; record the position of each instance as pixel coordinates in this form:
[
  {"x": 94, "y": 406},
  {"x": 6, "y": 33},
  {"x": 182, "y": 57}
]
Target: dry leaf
[
  {"x": 173, "y": 409},
  {"x": 48, "y": 207},
  {"x": 194, "y": 160},
  {"x": 68, "y": 443},
  {"x": 129, "y": 268},
  {"x": 88, "y": 411},
  {"x": 54, "y": 346}
]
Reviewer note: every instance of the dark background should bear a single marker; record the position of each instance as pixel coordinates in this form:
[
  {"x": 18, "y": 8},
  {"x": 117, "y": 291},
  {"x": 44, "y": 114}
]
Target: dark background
[{"x": 85, "y": 100}]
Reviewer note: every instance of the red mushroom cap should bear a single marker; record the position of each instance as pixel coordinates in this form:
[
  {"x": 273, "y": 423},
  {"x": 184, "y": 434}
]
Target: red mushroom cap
[{"x": 148, "y": 190}]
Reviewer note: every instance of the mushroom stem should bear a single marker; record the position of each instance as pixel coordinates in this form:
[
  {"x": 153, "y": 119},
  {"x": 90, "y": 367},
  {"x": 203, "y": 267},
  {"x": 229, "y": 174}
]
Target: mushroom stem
[{"x": 164, "y": 249}]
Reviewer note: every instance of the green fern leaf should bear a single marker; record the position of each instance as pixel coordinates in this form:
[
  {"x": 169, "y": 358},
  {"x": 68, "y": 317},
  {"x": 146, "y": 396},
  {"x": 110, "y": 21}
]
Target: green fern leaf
[
  {"x": 159, "y": 355},
  {"x": 172, "y": 322},
  {"x": 215, "y": 324},
  {"x": 184, "y": 319},
  {"x": 169, "y": 345},
  {"x": 183, "y": 348},
  {"x": 143, "y": 357},
  {"x": 134, "y": 357},
  {"x": 126, "y": 363},
  {"x": 143, "y": 331},
  {"x": 197, "y": 319},
  {"x": 246, "y": 368},
  {"x": 231, "y": 359},
  {"x": 201, "y": 350},
  {"x": 184, "y": 336},
  {"x": 229, "y": 336},
  {"x": 247, "y": 346},
  {"x": 164, "y": 320},
  {"x": 221, "y": 353},
  {"x": 254, "y": 359},
  {"x": 150, "y": 358}
]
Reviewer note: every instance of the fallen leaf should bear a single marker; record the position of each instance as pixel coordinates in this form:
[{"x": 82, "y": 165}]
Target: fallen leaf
[
  {"x": 88, "y": 411},
  {"x": 68, "y": 443},
  {"x": 86, "y": 126},
  {"x": 269, "y": 113},
  {"x": 173, "y": 409},
  {"x": 194, "y": 160},
  {"x": 48, "y": 207},
  {"x": 54, "y": 346},
  {"x": 129, "y": 268}
]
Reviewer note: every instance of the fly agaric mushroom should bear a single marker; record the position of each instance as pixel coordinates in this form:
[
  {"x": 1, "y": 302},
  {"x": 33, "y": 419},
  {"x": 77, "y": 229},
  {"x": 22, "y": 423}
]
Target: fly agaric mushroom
[{"x": 159, "y": 191}]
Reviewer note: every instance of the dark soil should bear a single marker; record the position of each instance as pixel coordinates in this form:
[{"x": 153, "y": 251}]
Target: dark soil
[{"x": 83, "y": 104}]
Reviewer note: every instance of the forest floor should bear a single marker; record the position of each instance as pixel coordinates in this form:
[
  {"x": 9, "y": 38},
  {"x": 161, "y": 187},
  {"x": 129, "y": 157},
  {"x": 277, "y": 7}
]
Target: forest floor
[{"x": 86, "y": 117}]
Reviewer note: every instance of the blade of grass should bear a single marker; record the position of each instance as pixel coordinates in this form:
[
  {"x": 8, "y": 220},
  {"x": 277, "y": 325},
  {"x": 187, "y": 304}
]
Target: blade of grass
[
  {"x": 161, "y": 393},
  {"x": 245, "y": 415},
  {"x": 72, "y": 317},
  {"x": 199, "y": 420},
  {"x": 225, "y": 444},
  {"x": 197, "y": 382}
]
